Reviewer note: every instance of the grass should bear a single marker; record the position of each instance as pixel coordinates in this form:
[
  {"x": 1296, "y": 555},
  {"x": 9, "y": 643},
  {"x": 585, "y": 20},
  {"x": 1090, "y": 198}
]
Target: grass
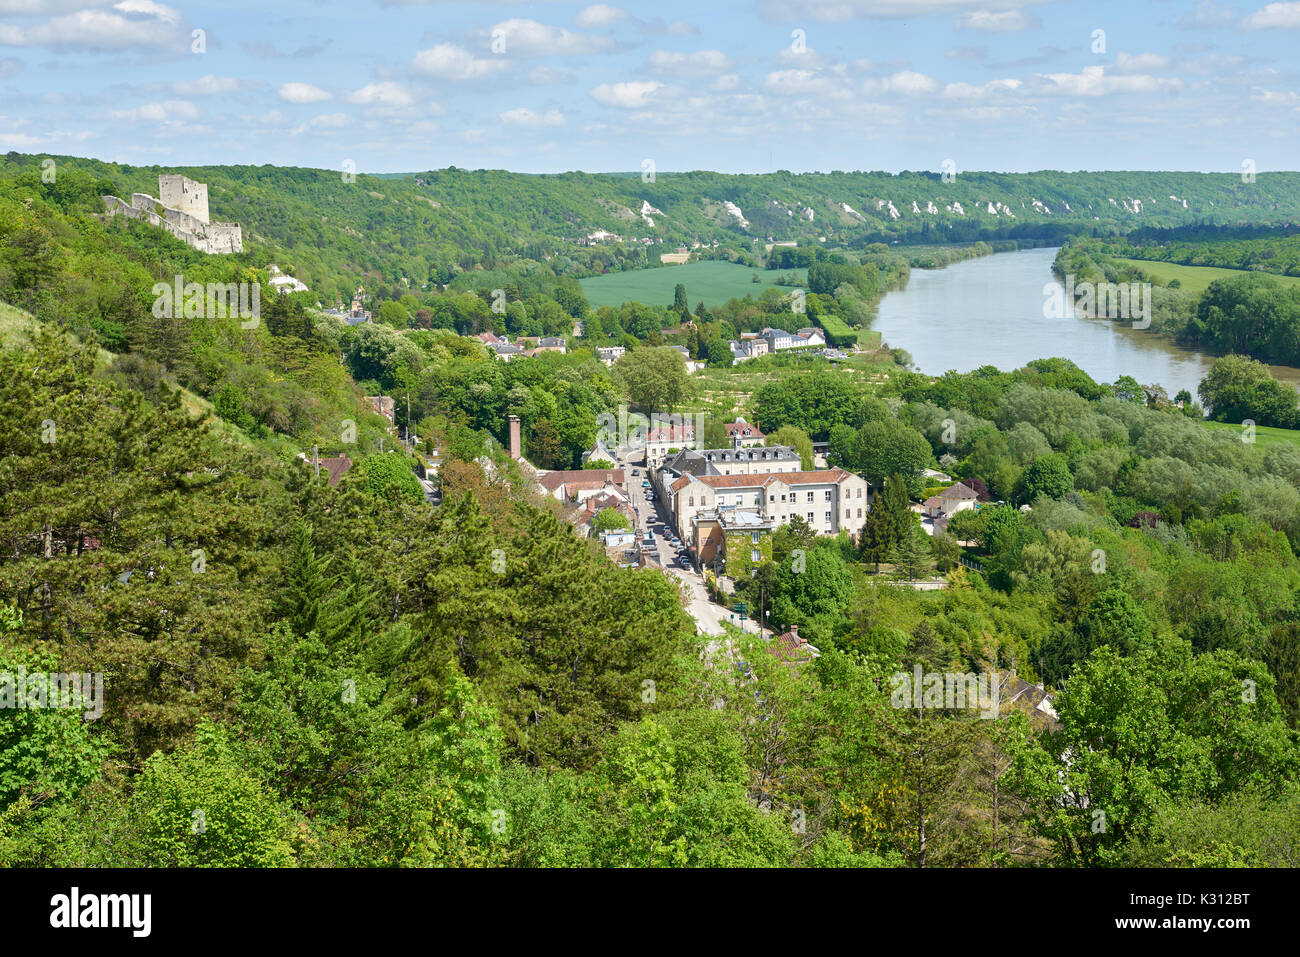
[
  {"x": 1194, "y": 279},
  {"x": 1265, "y": 435},
  {"x": 710, "y": 282}
]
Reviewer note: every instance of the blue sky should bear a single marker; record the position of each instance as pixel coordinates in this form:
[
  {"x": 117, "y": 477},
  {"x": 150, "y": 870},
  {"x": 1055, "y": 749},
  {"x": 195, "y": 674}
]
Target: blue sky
[{"x": 747, "y": 86}]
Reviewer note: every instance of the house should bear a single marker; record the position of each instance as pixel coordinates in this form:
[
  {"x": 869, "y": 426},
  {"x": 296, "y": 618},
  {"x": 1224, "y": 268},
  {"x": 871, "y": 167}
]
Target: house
[
  {"x": 610, "y": 354},
  {"x": 830, "y": 501},
  {"x": 955, "y": 498},
  {"x": 565, "y": 484},
  {"x": 744, "y": 435},
  {"x": 812, "y": 336},
  {"x": 598, "y": 452},
  {"x": 382, "y": 404},
  {"x": 552, "y": 344},
  {"x": 283, "y": 283},
  {"x": 733, "y": 541},
  {"x": 778, "y": 339},
  {"x": 692, "y": 365},
  {"x": 751, "y": 461},
  {"x": 660, "y": 442},
  {"x": 334, "y": 467},
  {"x": 595, "y": 503},
  {"x": 505, "y": 351},
  {"x": 792, "y": 649}
]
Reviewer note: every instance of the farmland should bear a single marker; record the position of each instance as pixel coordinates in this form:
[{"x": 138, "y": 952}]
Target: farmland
[
  {"x": 1194, "y": 279},
  {"x": 712, "y": 283}
]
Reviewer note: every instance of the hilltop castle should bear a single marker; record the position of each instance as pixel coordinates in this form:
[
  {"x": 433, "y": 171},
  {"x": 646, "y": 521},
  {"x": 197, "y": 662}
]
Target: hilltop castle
[{"x": 182, "y": 210}]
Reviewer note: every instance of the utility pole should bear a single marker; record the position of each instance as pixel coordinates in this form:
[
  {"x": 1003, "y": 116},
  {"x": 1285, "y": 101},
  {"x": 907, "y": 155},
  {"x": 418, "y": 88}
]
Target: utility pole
[{"x": 315, "y": 457}]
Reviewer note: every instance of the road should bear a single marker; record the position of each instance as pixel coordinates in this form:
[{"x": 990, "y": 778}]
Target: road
[{"x": 708, "y": 616}]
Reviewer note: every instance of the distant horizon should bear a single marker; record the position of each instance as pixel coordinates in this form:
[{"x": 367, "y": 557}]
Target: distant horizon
[{"x": 658, "y": 172}]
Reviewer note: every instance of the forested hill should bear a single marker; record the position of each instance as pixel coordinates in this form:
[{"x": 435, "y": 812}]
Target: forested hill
[{"x": 429, "y": 226}]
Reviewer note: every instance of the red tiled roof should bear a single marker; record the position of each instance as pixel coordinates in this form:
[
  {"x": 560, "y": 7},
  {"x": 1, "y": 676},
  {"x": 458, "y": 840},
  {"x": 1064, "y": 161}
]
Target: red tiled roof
[
  {"x": 553, "y": 480},
  {"x": 739, "y": 428}
]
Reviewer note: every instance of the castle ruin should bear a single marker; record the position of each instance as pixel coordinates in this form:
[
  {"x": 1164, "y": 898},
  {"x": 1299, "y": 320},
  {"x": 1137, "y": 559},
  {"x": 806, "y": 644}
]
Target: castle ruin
[{"x": 182, "y": 210}]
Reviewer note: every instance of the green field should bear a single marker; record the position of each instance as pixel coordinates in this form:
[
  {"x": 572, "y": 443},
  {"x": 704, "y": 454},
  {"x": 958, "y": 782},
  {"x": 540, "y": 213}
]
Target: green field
[
  {"x": 1264, "y": 434},
  {"x": 712, "y": 283},
  {"x": 1193, "y": 278}
]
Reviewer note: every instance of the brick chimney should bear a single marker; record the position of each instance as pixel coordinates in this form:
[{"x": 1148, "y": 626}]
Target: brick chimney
[
  {"x": 794, "y": 633},
  {"x": 515, "y": 451}
]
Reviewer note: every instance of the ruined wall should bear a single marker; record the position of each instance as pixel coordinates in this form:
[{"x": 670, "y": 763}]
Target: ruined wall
[
  {"x": 182, "y": 193},
  {"x": 215, "y": 238}
]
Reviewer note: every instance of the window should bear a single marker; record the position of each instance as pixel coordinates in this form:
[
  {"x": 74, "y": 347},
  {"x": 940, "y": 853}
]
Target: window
[
  {"x": 848, "y": 513},
  {"x": 859, "y": 493},
  {"x": 755, "y": 555},
  {"x": 772, "y": 498},
  {"x": 859, "y": 513},
  {"x": 828, "y": 518},
  {"x": 828, "y": 495},
  {"x": 810, "y": 518},
  {"x": 691, "y": 501},
  {"x": 810, "y": 496},
  {"x": 754, "y": 537}
]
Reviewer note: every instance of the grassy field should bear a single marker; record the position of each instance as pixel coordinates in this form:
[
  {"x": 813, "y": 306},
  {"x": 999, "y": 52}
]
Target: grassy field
[
  {"x": 712, "y": 283},
  {"x": 1264, "y": 434},
  {"x": 1193, "y": 278}
]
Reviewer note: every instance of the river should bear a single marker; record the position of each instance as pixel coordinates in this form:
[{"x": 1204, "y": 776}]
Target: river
[{"x": 990, "y": 311}]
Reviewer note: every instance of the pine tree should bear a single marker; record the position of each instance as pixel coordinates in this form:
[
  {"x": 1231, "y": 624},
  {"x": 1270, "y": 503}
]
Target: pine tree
[
  {"x": 911, "y": 554},
  {"x": 887, "y": 519}
]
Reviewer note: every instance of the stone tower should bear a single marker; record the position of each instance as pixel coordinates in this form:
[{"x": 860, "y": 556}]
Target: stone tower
[{"x": 180, "y": 192}]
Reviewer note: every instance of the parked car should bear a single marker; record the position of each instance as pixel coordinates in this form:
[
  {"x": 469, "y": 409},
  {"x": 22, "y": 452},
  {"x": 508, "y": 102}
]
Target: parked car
[{"x": 636, "y": 471}]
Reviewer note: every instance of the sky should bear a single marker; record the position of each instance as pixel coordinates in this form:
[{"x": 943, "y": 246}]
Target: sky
[{"x": 739, "y": 87}]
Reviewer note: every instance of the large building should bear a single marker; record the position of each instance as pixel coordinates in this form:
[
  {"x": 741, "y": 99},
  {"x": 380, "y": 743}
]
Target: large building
[
  {"x": 182, "y": 210},
  {"x": 830, "y": 501}
]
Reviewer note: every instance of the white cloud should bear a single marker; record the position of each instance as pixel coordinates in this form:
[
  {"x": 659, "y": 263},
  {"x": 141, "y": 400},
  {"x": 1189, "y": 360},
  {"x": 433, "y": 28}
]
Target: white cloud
[
  {"x": 208, "y": 85},
  {"x": 1275, "y": 16},
  {"x": 530, "y": 38},
  {"x": 303, "y": 93},
  {"x": 135, "y": 24},
  {"x": 1140, "y": 62},
  {"x": 522, "y": 116},
  {"x": 968, "y": 91},
  {"x": 159, "y": 112},
  {"x": 1093, "y": 81},
  {"x": 600, "y": 15},
  {"x": 446, "y": 61},
  {"x": 905, "y": 82},
  {"x": 382, "y": 94},
  {"x": 630, "y": 95},
  {"x": 839, "y": 11},
  {"x": 699, "y": 63},
  {"x": 1001, "y": 21}
]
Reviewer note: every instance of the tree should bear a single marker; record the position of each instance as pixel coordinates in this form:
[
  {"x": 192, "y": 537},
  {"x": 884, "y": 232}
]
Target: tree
[
  {"x": 1049, "y": 476},
  {"x": 655, "y": 378},
  {"x": 608, "y": 519},
  {"x": 887, "y": 521},
  {"x": 680, "y": 306},
  {"x": 199, "y": 808},
  {"x": 798, "y": 439},
  {"x": 388, "y": 475},
  {"x": 713, "y": 434},
  {"x": 1238, "y": 388},
  {"x": 911, "y": 553}
]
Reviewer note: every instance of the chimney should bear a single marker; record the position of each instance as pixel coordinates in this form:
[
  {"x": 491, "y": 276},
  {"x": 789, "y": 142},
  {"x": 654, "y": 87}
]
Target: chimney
[
  {"x": 794, "y": 633},
  {"x": 514, "y": 437}
]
